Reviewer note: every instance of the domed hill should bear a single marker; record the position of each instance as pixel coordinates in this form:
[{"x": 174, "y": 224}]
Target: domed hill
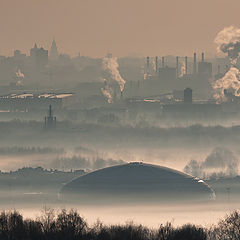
[{"x": 138, "y": 182}]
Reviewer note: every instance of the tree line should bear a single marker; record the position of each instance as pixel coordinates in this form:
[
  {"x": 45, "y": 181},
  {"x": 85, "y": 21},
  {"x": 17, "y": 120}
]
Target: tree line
[{"x": 70, "y": 225}]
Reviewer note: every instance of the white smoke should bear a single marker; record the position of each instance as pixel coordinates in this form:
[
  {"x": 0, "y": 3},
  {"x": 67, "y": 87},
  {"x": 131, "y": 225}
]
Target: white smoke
[
  {"x": 182, "y": 69},
  {"x": 230, "y": 82},
  {"x": 228, "y": 41},
  {"x": 110, "y": 64},
  {"x": 153, "y": 63},
  {"x": 108, "y": 92},
  {"x": 19, "y": 74}
]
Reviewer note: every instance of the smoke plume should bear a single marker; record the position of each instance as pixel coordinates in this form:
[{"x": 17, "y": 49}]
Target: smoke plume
[
  {"x": 153, "y": 63},
  {"x": 182, "y": 69},
  {"x": 19, "y": 74},
  {"x": 107, "y": 91},
  {"x": 110, "y": 64},
  {"x": 230, "y": 83},
  {"x": 228, "y": 41},
  {"x": 220, "y": 162}
]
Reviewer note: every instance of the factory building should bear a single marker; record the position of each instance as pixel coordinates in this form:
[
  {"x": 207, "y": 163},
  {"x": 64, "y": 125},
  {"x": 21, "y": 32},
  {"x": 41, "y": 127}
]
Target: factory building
[
  {"x": 167, "y": 74},
  {"x": 39, "y": 56},
  {"x": 188, "y": 96},
  {"x": 26, "y": 102},
  {"x": 204, "y": 68}
]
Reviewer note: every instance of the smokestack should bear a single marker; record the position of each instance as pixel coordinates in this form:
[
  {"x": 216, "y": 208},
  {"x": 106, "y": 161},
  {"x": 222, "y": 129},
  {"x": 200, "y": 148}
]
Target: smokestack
[
  {"x": 163, "y": 63},
  {"x": 148, "y": 60},
  {"x": 50, "y": 111},
  {"x": 194, "y": 63},
  {"x": 186, "y": 65},
  {"x": 202, "y": 56},
  {"x": 148, "y": 66},
  {"x": 156, "y": 63},
  {"x": 177, "y": 63}
]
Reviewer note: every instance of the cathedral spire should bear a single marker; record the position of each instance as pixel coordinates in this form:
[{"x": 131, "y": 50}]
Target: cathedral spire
[{"x": 54, "y": 51}]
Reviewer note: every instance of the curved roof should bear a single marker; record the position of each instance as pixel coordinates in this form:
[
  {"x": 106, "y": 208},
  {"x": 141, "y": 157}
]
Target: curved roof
[{"x": 137, "y": 179}]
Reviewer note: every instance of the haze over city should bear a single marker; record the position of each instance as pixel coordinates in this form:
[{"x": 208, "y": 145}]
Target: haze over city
[
  {"x": 119, "y": 120},
  {"x": 122, "y": 27}
]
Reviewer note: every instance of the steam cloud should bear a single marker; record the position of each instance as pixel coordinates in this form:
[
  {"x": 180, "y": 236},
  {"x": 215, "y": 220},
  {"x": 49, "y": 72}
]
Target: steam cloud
[
  {"x": 221, "y": 162},
  {"x": 182, "y": 69},
  {"x": 228, "y": 41},
  {"x": 20, "y": 77},
  {"x": 19, "y": 74},
  {"x": 110, "y": 65},
  {"x": 107, "y": 91},
  {"x": 154, "y": 66},
  {"x": 230, "y": 82}
]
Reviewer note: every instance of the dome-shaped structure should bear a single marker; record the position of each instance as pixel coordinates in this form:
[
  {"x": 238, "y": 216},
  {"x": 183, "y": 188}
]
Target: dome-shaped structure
[{"x": 138, "y": 182}]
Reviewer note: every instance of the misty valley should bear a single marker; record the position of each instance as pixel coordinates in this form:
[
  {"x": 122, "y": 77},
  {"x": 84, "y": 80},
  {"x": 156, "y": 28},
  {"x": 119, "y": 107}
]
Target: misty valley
[
  {"x": 34, "y": 172},
  {"x": 136, "y": 136}
]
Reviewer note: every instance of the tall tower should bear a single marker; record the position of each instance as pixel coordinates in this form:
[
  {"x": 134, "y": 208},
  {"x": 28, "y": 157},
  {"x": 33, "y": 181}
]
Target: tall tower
[
  {"x": 33, "y": 51},
  {"x": 50, "y": 120},
  {"x": 186, "y": 65},
  {"x": 194, "y": 64},
  {"x": 156, "y": 64},
  {"x": 53, "y": 56},
  {"x": 177, "y": 66}
]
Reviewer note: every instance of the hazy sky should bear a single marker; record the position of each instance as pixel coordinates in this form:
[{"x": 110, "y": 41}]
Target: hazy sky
[{"x": 123, "y": 27}]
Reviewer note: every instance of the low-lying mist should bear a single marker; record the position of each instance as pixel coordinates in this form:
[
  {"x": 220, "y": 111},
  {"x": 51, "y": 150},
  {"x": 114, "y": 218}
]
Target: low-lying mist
[
  {"x": 79, "y": 162},
  {"x": 221, "y": 162}
]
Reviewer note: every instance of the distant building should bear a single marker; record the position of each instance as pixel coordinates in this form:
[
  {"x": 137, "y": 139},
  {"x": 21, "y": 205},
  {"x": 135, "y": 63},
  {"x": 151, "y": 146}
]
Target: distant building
[
  {"x": 205, "y": 68},
  {"x": 39, "y": 56},
  {"x": 28, "y": 102},
  {"x": 50, "y": 120},
  {"x": 53, "y": 55},
  {"x": 167, "y": 73},
  {"x": 188, "y": 96},
  {"x": 33, "y": 51},
  {"x": 18, "y": 55}
]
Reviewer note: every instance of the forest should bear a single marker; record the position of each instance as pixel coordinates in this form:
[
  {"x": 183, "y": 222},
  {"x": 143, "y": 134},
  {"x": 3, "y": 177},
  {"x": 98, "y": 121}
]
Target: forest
[{"x": 70, "y": 225}]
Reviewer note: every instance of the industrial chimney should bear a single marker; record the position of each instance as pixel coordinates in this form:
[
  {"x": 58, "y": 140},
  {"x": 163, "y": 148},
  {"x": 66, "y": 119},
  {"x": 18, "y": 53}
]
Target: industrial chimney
[
  {"x": 50, "y": 120},
  {"x": 202, "y": 56},
  {"x": 156, "y": 63},
  {"x": 148, "y": 60},
  {"x": 177, "y": 66},
  {"x": 186, "y": 65},
  {"x": 194, "y": 64},
  {"x": 163, "y": 63},
  {"x": 148, "y": 66}
]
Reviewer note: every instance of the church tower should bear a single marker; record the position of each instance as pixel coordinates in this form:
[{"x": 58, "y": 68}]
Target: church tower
[{"x": 53, "y": 56}]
